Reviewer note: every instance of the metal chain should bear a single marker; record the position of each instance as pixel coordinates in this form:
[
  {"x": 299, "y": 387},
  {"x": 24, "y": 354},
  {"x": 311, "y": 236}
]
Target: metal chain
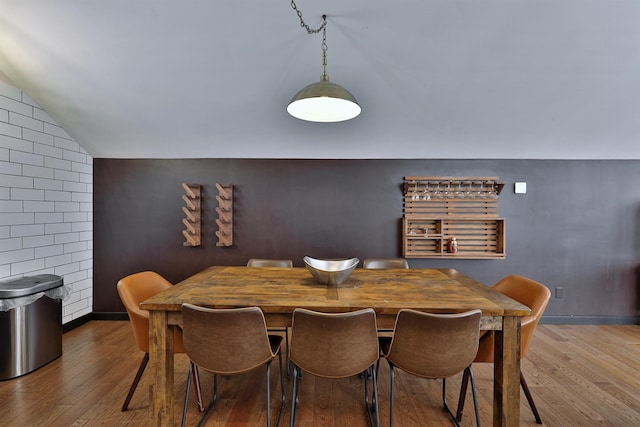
[
  {"x": 305, "y": 25},
  {"x": 322, "y": 28},
  {"x": 324, "y": 49},
  {"x": 324, "y": 33}
]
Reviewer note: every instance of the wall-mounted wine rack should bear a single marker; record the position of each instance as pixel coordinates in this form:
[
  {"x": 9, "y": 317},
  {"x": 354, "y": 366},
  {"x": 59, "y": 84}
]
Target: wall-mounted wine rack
[
  {"x": 438, "y": 209},
  {"x": 192, "y": 214},
  {"x": 225, "y": 215}
]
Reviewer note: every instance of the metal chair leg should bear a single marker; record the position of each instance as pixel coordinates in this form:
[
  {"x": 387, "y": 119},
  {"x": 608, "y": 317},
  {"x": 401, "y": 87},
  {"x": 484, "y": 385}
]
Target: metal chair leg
[
  {"x": 192, "y": 368},
  {"x": 294, "y": 395},
  {"x": 473, "y": 394},
  {"x": 523, "y": 384},
  {"x": 212, "y": 405},
  {"x": 283, "y": 397},
  {"x": 446, "y": 405},
  {"x": 138, "y": 377},
  {"x": 527, "y": 393},
  {"x": 136, "y": 380},
  {"x": 463, "y": 394},
  {"x": 373, "y": 407},
  {"x": 466, "y": 376},
  {"x": 286, "y": 341},
  {"x": 392, "y": 376},
  {"x": 186, "y": 395},
  {"x": 196, "y": 380},
  {"x": 268, "y": 394}
]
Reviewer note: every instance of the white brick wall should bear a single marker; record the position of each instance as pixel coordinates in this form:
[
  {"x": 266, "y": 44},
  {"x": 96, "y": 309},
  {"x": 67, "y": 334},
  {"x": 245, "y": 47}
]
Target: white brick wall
[{"x": 46, "y": 201}]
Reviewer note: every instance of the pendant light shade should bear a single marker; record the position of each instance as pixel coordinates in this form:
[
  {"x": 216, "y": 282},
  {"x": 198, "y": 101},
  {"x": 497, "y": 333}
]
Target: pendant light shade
[{"x": 324, "y": 101}]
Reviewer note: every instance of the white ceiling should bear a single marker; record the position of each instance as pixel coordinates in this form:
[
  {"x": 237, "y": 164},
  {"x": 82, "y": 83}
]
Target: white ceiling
[{"x": 552, "y": 79}]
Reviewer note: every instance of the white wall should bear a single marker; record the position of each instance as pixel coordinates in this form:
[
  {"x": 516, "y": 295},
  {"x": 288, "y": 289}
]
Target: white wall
[{"x": 46, "y": 201}]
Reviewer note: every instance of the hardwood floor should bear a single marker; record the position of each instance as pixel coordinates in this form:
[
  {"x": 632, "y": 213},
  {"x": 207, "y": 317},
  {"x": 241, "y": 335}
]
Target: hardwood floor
[{"x": 579, "y": 376}]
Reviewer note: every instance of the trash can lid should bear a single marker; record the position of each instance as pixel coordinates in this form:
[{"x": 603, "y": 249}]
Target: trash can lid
[{"x": 29, "y": 285}]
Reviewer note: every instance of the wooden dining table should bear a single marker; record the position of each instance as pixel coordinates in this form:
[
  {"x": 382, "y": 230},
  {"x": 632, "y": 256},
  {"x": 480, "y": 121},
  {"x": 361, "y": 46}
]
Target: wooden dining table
[{"x": 278, "y": 291}]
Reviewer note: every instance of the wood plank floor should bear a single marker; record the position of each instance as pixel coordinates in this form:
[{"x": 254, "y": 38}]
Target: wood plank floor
[{"x": 579, "y": 376}]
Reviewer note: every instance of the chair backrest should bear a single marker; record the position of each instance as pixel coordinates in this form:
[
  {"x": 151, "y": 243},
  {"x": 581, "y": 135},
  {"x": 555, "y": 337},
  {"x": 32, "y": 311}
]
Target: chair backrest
[
  {"x": 257, "y": 262},
  {"x": 534, "y": 295},
  {"x": 225, "y": 341},
  {"x": 136, "y": 288},
  {"x": 385, "y": 263},
  {"x": 334, "y": 345},
  {"x": 434, "y": 345}
]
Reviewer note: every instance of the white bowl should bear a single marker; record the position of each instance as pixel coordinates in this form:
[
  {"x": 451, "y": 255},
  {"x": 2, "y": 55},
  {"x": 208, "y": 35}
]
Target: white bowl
[{"x": 331, "y": 271}]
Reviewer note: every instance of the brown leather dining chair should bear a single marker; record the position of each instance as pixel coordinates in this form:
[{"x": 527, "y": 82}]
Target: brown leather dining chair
[
  {"x": 385, "y": 263},
  {"x": 134, "y": 289},
  {"x": 434, "y": 346},
  {"x": 260, "y": 262},
  {"x": 229, "y": 342},
  {"x": 535, "y": 296},
  {"x": 335, "y": 345}
]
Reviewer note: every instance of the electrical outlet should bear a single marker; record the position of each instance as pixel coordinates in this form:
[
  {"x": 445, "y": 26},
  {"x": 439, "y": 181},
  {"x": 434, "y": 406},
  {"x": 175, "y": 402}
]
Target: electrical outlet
[{"x": 559, "y": 292}]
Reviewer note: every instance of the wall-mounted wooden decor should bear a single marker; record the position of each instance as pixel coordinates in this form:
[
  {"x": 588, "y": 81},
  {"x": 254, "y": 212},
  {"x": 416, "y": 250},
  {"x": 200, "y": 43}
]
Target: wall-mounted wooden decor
[
  {"x": 225, "y": 215},
  {"x": 439, "y": 210},
  {"x": 192, "y": 214}
]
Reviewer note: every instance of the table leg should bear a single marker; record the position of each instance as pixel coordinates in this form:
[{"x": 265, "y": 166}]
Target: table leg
[
  {"x": 161, "y": 358},
  {"x": 506, "y": 387}
]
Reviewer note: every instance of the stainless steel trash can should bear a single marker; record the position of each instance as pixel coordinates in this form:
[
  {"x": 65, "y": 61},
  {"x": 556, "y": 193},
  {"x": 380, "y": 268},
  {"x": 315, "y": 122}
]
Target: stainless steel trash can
[{"x": 31, "y": 330}]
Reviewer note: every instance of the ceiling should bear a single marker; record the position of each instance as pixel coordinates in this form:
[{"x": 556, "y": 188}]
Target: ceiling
[{"x": 547, "y": 79}]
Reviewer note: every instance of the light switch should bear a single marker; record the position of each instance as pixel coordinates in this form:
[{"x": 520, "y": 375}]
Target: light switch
[{"x": 521, "y": 188}]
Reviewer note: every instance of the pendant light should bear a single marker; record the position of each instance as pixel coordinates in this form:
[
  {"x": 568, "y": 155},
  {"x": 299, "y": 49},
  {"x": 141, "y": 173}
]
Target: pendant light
[{"x": 322, "y": 101}]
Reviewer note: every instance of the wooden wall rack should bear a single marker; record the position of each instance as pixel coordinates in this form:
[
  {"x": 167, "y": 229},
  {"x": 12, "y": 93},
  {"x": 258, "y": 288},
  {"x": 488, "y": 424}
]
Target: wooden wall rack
[
  {"x": 192, "y": 214},
  {"x": 225, "y": 215},
  {"x": 439, "y": 208}
]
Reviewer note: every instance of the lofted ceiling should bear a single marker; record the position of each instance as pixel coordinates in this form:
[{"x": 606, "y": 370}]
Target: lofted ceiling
[{"x": 546, "y": 79}]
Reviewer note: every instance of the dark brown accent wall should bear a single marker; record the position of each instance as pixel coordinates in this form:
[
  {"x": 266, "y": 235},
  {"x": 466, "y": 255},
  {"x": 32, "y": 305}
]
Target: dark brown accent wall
[{"x": 578, "y": 226}]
